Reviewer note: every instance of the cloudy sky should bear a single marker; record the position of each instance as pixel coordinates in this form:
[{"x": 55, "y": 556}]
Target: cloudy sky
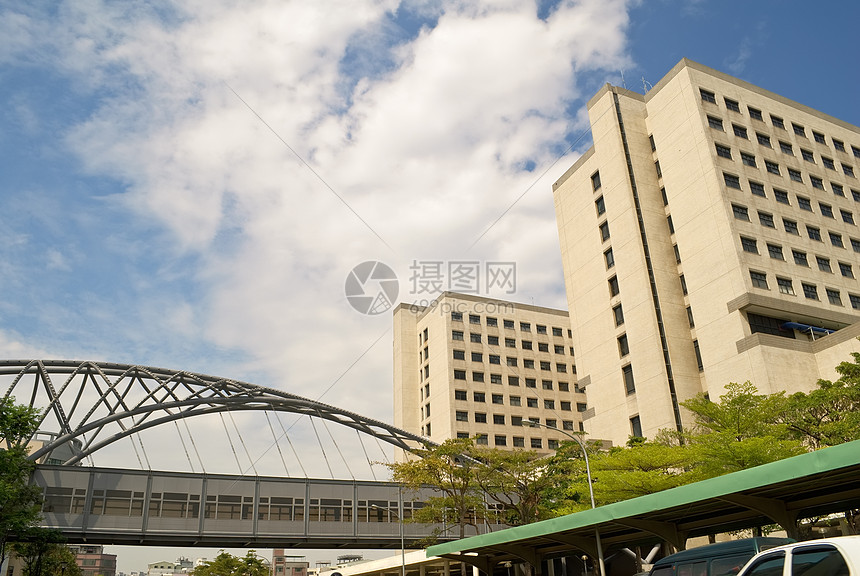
[{"x": 188, "y": 184}]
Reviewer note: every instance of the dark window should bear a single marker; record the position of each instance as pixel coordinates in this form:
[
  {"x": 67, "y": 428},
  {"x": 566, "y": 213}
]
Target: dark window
[
  {"x": 818, "y": 137},
  {"x": 635, "y": 427},
  {"x": 839, "y": 145},
  {"x": 526, "y": 326},
  {"x": 556, "y": 331},
  {"x": 781, "y": 196},
  {"x": 623, "y": 346},
  {"x": 492, "y": 321},
  {"x": 715, "y": 122},
  {"x": 457, "y": 316},
  {"x": 785, "y": 286},
  {"x": 474, "y": 319},
  {"x": 474, "y": 337},
  {"x": 459, "y": 374},
  {"x": 481, "y": 417},
  {"x": 833, "y": 296},
  {"x": 818, "y": 559},
  {"x": 519, "y": 442},
  {"x": 461, "y": 416},
  {"x": 828, "y": 163},
  {"x": 823, "y": 264},
  {"x": 527, "y": 344},
  {"x": 509, "y": 324},
  {"x": 670, "y": 224},
  {"x": 477, "y": 376},
  {"x": 724, "y": 151},
  {"x": 771, "y": 167},
  {"x": 690, "y": 317},
  {"x": 600, "y": 205},
  {"x": 493, "y": 340},
  {"x": 708, "y": 96},
  {"x": 856, "y": 151},
  {"x": 651, "y": 140},
  {"x": 798, "y": 129},
  {"x": 763, "y": 139},
  {"x": 477, "y": 357},
  {"x": 460, "y": 394},
  {"x": 657, "y": 168},
  {"x": 740, "y": 131},
  {"x": 848, "y": 170},
  {"x": 855, "y": 244},
  {"x": 740, "y": 212},
  {"x": 800, "y": 258},
  {"x": 855, "y": 301},
  {"x": 595, "y": 181},
  {"x": 826, "y": 209},
  {"x": 732, "y": 181},
  {"x": 613, "y": 291},
  {"x": 775, "y": 251},
  {"x": 810, "y": 291},
  {"x": 836, "y": 239},
  {"x": 618, "y": 314},
  {"x": 513, "y": 381},
  {"x": 749, "y": 245},
  {"x": 804, "y": 203},
  {"x": 511, "y": 342},
  {"x": 790, "y": 226},
  {"x": 495, "y": 359},
  {"x": 500, "y": 440},
  {"x": 786, "y": 148},
  {"x": 609, "y": 258},
  {"x": 837, "y": 189},
  {"x": 479, "y": 397},
  {"x": 698, "y": 355},
  {"x": 807, "y": 155},
  {"x": 855, "y": 194},
  {"x": 748, "y": 159},
  {"x": 629, "y": 384},
  {"x": 677, "y": 253},
  {"x": 846, "y": 270},
  {"x": 683, "y": 284},
  {"x": 456, "y": 335},
  {"x": 813, "y": 232},
  {"x": 759, "y": 279},
  {"x": 777, "y": 122},
  {"x": 757, "y": 188},
  {"x": 795, "y": 175},
  {"x": 766, "y": 219},
  {"x": 604, "y": 231},
  {"x": 816, "y": 182},
  {"x": 768, "y": 325},
  {"x": 732, "y": 105},
  {"x": 459, "y": 355},
  {"x": 770, "y": 565},
  {"x": 755, "y": 113}
]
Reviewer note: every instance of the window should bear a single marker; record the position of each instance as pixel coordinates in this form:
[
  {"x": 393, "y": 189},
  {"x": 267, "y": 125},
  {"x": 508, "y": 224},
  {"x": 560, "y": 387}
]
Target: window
[
  {"x": 786, "y": 148},
  {"x": 558, "y": 349},
  {"x": 771, "y": 167},
  {"x": 528, "y": 363},
  {"x": 755, "y": 113},
  {"x": 715, "y": 122},
  {"x": 459, "y": 354},
  {"x": 481, "y": 417},
  {"x": 513, "y": 381},
  {"x": 511, "y": 361},
  {"x": 828, "y": 163},
  {"x": 732, "y": 105},
  {"x": 462, "y": 416},
  {"x": 790, "y": 226},
  {"x": 510, "y": 342},
  {"x": 527, "y": 344},
  {"x": 855, "y": 244},
  {"x": 456, "y": 335},
  {"x": 600, "y": 205},
  {"x": 459, "y": 374},
  {"x": 690, "y": 317},
  {"x": 740, "y": 131},
  {"x": 549, "y": 404},
  {"x": 477, "y": 357},
  {"x": 836, "y": 239},
  {"x": 532, "y": 402},
  {"x": 531, "y": 383},
  {"x": 515, "y": 400},
  {"x": 856, "y": 151},
  {"x": 546, "y": 384},
  {"x": 826, "y": 209},
  {"x": 855, "y": 301},
  {"x": 609, "y": 258},
  {"x": 818, "y": 559},
  {"x": 604, "y": 231},
  {"x": 798, "y": 129},
  {"x": 845, "y": 270},
  {"x": 481, "y": 439},
  {"x": 495, "y": 378},
  {"x": 627, "y": 375},
  {"x": 595, "y": 181},
  {"x": 657, "y": 168},
  {"x": 855, "y": 194},
  {"x": 810, "y": 291},
  {"x": 763, "y": 139},
  {"x": 816, "y": 182},
  {"x": 777, "y": 122},
  {"x": 561, "y": 368},
  {"x": 708, "y": 96},
  {"x": 807, "y": 155},
  {"x": 823, "y": 264},
  {"x": 748, "y": 159},
  {"x": 495, "y": 359},
  {"x": 848, "y": 170},
  {"x": 749, "y": 245},
  {"x": 519, "y": 442},
  {"x": 479, "y": 397},
  {"x": 623, "y": 346},
  {"x": 813, "y": 232},
  {"x": 493, "y": 340},
  {"x": 781, "y": 196},
  {"x": 724, "y": 151},
  {"x": 837, "y": 189},
  {"x": 785, "y": 286},
  {"x": 839, "y": 145},
  {"x": 544, "y": 365},
  {"x": 759, "y": 279},
  {"x": 565, "y": 406},
  {"x": 833, "y": 297},
  {"x": 613, "y": 291},
  {"x": 475, "y": 337},
  {"x": 651, "y": 140},
  {"x": 536, "y": 443},
  {"x": 541, "y": 329},
  {"x": 525, "y": 326},
  {"x": 804, "y": 203},
  {"x": 768, "y": 325},
  {"x": 757, "y": 188},
  {"x": 677, "y": 253},
  {"x": 683, "y": 281},
  {"x": 460, "y": 394},
  {"x": 509, "y": 324},
  {"x": 477, "y": 376},
  {"x": 492, "y": 321},
  {"x": 766, "y": 219},
  {"x": 670, "y": 224},
  {"x": 543, "y": 347},
  {"x": 556, "y": 331},
  {"x": 567, "y": 424},
  {"x": 775, "y": 251},
  {"x": 474, "y": 319},
  {"x": 740, "y": 212},
  {"x": 663, "y": 195},
  {"x": 618, "y": 314},
  {"x": 800, "y": 258},
  {"x": 732, "y": 181},
  {"x": 795, "y": 175},
  {"x": 818, "y": 137},
  {"x": 500, "y": 440}
]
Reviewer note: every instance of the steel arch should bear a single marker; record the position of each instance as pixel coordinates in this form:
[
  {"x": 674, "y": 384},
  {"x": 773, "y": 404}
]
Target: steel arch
[{"x": 132, "y": 398}]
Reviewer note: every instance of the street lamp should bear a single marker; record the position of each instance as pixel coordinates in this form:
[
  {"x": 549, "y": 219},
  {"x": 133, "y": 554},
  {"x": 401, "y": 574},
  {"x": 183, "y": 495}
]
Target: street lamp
[
  {"x": 537, "y": 424},
  {"x": 400, "y": 521}
]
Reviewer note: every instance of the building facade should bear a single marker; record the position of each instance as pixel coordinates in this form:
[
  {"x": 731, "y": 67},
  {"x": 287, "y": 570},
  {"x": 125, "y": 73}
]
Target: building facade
[
  {"x": 709, "y": 236},
  {"x": 287, "y": 565},
  {"x": 470, "y": 367},
  {"x": 93, "y": 561}
]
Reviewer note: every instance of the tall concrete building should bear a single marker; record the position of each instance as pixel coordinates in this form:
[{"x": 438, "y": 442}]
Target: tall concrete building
[
  {"x": 470, "y": 367},
  {"x": 709, "y": 236}
]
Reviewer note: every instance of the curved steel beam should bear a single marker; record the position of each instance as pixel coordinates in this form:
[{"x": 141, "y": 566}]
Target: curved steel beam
[{"x": 124, "y": 399}]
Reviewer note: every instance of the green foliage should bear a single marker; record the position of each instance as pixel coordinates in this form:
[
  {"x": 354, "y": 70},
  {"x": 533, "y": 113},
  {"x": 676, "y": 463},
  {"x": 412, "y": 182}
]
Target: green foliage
[
  {"x": 516, "y": 480},
  {"x": 43, "y": 554},
  {"x": 740, "y": 431},
  {"x": 226, "y": 564},
  {"x": 19, "y": 502},
  {"x": 830, "y": 414}
]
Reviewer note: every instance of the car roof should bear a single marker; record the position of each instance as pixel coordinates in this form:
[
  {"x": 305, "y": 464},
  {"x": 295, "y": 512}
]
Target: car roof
[
  {"x": 847, "y": 543},
  {"x": 744, "y": 545}
]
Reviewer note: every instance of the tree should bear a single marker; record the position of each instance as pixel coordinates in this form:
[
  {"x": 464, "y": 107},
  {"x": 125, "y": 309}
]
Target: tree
[
  {"x": 830, "y": 414},
  {"x": 740, "y": 431},
  {"x": 19, "y": 501},
  {"x": 516, "y": 480},
  {"x": 448, "y": 468},
  {"x": 43, "y": 554},
  {"x": 225, "y": 564}
]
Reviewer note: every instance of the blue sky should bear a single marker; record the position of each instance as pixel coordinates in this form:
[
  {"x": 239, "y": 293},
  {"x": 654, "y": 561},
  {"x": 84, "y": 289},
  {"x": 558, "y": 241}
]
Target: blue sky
[{"x": 149, "y": 214}]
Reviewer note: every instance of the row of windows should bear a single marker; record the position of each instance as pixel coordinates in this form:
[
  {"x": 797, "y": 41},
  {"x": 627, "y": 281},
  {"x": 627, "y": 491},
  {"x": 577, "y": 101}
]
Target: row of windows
[
  {"x": 803, "y": 202},
  {"x": 810, "y": 290},
  {"x": 511, "y": 361},
  {"x": 777, "y": 122},
  {"x": 767, "y": 220},
  {"x": 516, "y": 441},
  {"x": 501, "y": 419},
  {"x": 508, "y": 324},
  {"x": 481, "y": 397},
  {"x": 515, "y": 381},
  {"x": 459, "y": 336},
  {"x": 800, "y": 257}
]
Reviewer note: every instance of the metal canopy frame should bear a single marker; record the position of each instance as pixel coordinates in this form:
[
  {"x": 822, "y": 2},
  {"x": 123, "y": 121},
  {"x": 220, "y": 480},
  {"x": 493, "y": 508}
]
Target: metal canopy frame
[
  {"x": 817, "y": 483},
  {"x": 123, "y": 399}
]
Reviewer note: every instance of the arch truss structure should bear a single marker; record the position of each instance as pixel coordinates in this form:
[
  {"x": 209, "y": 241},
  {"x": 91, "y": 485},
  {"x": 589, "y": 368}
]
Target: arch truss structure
[{"x": 99, "y": 403}]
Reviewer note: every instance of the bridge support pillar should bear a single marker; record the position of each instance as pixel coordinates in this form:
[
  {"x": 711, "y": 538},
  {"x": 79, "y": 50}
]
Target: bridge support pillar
[{"x": 446, "y": 568}]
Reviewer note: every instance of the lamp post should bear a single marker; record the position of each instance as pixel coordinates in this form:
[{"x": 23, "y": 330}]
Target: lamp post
[
  {"x": 537, "y": 424},
  {"x": 400, "y": 521}
]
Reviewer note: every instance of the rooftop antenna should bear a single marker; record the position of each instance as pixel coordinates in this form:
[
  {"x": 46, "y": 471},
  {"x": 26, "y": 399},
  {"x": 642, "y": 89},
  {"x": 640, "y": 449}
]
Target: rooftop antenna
[{"x": 646, "y": 85}]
